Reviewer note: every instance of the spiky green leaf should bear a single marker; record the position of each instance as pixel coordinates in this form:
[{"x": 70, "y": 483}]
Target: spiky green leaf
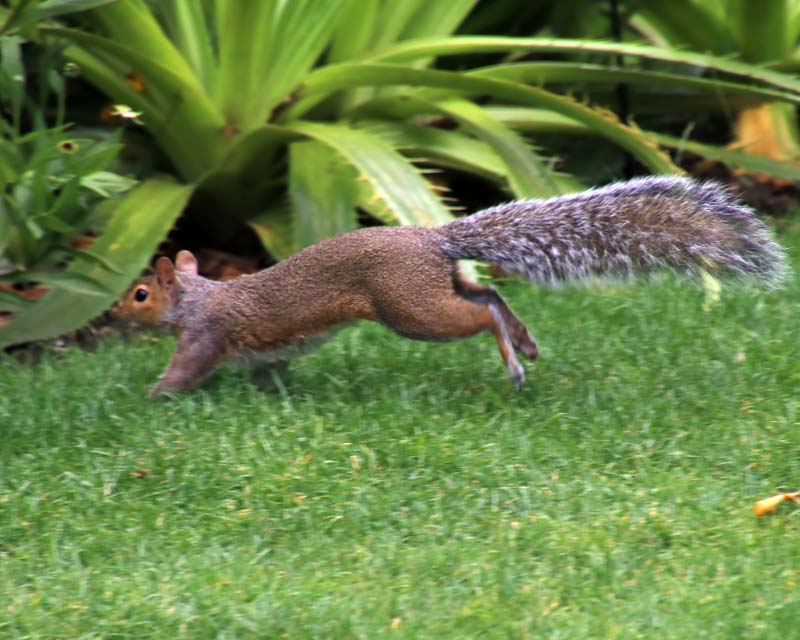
[
  {"x": 424, "y": 48},
  {"x": 394, "y": 183},
  {"x": 732, "y": 158},
  {"x": 604, "y": 123},
  {"x": 528, "y": 174},
  {"x": 322, "y": 191}
]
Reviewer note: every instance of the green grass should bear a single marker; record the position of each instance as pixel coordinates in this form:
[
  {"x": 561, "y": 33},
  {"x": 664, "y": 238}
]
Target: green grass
[{"x": 404, "y": 489}]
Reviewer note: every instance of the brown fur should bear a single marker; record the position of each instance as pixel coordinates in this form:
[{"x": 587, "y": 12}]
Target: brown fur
[{"x": 399, "y": 277}]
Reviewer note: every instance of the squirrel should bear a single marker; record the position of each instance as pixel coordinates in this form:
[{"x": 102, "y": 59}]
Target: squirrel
[{"x": 407, "y": 278}]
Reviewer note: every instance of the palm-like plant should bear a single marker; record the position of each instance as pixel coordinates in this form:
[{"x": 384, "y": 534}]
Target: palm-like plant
[
  {"x": 294, "y": 114},
  {"x": 766, "y": 34}
]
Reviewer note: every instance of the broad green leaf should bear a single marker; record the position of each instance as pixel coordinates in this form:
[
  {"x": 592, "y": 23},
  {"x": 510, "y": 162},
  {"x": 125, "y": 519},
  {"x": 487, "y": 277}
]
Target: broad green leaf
[
  {"x": 326, "y": 80},
  {"x": 352, "y": 37},
  {"x": 683, "y": 23},
  {"x": 106, "y": 183},
  {"x": 354, "y": 30},
  {"x": 33, "y": 228},
  {"x": 9, "y": 17},
  {"x": 137, "y": 227},
  {"x": 12, "y": 75},
  {"x": 68, "y": 281},
  {"x": 5, "y": 224},
  {"x": 132, "y": 26},
  {"x": 456, "y": 45},
  {"x": 527, "y": 174},
  {"x": 94, "y": 157},
  {"x": 455, "y": 150},
  {"x": 403, "y": 194},
  {"x": 448, "y": 147},
  {"x": 438, "y": 18},
  {"x": 761, "y": 30},
  {"x": 11, "y": 163},
  {"x": 572, "y": 73},
  {"x": 12, "y": 302},
  {"x": 274, "y": 227},
  {"x": 322, "y": 191},
  {"x": 186, "y": 23},
  {"x": 92, "y": 257},
  {"x": 27, "y": 12},
  {"x": 54, "y": 223},
  {"x": 67, "y": 206},
  {"x": 393, "y": 18},
  {"x": 245, "y": 36},
  {"x": 732, "y": 158},
  {"x": 536, "y": 120},
  {"x": 397, "y": 191},
  {"x": 266, "y": 48}
]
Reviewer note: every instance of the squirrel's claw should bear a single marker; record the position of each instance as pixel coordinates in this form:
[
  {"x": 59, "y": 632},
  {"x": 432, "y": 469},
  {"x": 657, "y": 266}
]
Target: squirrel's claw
[{"x": 517, "y": 375}]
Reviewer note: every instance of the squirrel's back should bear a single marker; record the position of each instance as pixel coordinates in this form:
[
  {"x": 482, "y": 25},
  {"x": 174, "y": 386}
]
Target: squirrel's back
[{"x": 628, "y": 227}]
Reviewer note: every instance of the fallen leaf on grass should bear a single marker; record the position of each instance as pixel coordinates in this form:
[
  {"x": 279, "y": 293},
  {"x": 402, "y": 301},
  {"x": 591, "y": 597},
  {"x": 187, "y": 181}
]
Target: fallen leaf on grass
[{"x": 767, "y": 505}]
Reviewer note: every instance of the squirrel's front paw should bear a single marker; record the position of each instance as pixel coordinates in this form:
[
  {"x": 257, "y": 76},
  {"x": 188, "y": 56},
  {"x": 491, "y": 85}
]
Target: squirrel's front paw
[
  {"x": 159, "y": 389},
  {"x": 154, "y": 391}
]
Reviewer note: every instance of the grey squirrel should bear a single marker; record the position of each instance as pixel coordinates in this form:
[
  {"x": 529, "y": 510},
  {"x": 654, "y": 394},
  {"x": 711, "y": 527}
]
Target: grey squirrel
[{"x": 407, "y": 278}]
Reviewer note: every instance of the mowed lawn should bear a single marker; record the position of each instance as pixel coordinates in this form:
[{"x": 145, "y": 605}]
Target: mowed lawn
[{"x": 403, "y": 489}]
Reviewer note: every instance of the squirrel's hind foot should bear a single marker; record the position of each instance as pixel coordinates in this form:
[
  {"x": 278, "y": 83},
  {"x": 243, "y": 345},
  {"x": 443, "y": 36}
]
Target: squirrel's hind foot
[
  {"x": 517, "y": 373},
  {"x": 528, "y": 346}
]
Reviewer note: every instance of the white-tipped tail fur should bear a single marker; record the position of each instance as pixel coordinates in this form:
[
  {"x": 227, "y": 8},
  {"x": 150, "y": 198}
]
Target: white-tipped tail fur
[{"x": 622, "y": 229}]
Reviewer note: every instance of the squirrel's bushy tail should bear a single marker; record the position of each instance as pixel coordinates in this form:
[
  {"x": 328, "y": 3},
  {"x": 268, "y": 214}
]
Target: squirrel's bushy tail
[{"x": 622, "y": 229}]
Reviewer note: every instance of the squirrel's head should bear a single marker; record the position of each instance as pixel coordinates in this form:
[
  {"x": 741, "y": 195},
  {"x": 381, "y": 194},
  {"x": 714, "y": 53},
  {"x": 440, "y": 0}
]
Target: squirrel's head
[{"x": 151, "y": 297}]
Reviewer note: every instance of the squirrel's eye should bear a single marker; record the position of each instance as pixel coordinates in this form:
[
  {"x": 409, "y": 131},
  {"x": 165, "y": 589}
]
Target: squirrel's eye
[{"x": 140, "y": 295}]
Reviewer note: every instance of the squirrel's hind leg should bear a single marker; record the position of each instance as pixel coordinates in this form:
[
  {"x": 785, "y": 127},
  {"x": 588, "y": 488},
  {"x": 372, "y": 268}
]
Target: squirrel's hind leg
[
  {"x": 500, "y": 331},
  {"x": 517, "y": 332},
  {"x": 442, "y": 312}
]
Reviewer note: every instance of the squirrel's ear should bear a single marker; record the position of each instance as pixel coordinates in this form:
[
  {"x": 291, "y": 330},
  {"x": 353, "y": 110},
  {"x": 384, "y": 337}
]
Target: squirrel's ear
[
  {"x": 165, "y": 273},
  {"x": 186, "y": 262}
]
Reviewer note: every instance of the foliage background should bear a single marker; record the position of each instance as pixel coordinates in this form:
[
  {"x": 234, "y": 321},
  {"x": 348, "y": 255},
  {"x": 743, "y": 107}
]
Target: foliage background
[{"x": 270, "y": 125}]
